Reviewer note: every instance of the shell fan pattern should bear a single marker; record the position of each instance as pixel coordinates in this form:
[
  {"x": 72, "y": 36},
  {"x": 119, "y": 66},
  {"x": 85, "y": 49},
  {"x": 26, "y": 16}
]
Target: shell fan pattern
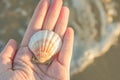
[{"x": 44, "y": 45}]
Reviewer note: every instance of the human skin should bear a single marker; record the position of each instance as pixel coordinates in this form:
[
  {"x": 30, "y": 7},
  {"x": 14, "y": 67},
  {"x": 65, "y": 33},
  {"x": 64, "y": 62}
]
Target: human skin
[{"x": 16, "y": 63}]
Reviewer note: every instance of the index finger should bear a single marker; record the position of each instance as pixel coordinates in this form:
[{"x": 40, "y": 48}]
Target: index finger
[{"x": 36, "y": 21}]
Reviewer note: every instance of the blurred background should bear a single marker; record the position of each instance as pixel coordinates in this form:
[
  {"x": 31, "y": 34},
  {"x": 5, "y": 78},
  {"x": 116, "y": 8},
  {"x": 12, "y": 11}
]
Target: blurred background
[{"x": 97, "y": 28}]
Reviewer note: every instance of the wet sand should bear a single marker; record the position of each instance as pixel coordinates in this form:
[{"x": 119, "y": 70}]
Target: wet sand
[
  {"x": 17, "y": 17},
  {"x": 106, "y": 67}
]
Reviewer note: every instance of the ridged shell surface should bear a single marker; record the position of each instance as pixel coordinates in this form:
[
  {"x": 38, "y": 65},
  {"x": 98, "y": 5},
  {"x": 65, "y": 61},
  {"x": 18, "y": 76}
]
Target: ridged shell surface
[{"x": 44, "y": 44}]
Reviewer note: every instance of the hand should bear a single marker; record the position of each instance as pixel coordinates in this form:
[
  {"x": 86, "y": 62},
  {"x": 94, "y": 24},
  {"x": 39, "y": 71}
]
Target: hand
[{"x": 16, "y": 63}]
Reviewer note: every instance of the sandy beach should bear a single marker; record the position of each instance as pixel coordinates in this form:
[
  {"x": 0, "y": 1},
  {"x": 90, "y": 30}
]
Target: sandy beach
[{"x": 14, "y": 18}]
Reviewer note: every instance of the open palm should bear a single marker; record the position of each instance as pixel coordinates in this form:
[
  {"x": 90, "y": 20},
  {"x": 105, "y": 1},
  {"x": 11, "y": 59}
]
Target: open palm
[{"x": 16, "y": 63}]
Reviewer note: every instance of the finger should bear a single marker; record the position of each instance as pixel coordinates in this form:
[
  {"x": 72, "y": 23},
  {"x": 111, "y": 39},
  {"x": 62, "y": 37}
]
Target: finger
[
  {"x": 52, "y": 14},
  {"x": 64, "y": 57},
  {"x": 62, "y": 22},
  {"x": 36, "y": 21},
  {"x": 7, "y": 55}
]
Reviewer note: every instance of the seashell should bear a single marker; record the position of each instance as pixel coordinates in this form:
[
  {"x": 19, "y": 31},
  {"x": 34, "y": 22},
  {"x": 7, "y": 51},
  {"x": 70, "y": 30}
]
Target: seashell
[{"x": 44, "y": 45}]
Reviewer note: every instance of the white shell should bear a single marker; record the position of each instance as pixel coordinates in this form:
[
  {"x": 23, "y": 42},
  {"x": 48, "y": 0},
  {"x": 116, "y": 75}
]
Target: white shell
[{"x": 44, "y": 44}]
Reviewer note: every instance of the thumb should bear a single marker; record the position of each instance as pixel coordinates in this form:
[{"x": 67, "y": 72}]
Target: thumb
[{"x": 9, "y": 51}]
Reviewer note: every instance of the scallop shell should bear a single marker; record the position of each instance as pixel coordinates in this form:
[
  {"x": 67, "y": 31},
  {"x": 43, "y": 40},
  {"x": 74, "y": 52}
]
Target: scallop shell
[{"x": 44, "y": 45}]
